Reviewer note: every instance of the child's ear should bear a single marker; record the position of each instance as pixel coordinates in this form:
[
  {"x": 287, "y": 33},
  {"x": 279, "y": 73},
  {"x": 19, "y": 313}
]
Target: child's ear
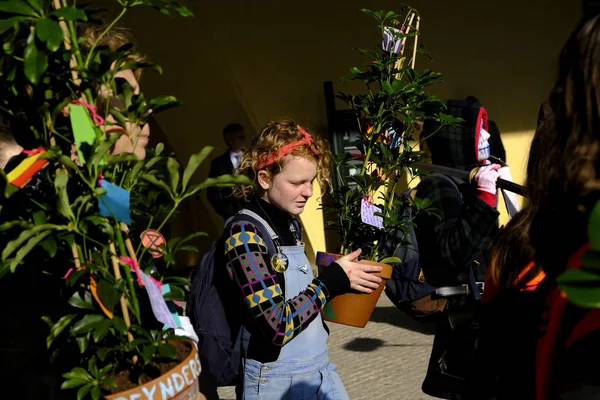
[{"x": 264, "y": 179}]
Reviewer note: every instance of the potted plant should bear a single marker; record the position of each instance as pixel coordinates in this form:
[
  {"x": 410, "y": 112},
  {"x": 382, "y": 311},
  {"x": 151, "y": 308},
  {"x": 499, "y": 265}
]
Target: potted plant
[
  {"x": 367, "y": 208},
  {"x": 90, "y": 218}
]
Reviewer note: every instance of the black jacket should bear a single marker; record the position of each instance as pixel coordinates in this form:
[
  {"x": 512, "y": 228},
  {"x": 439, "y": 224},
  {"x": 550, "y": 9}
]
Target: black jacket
[{"x": 463, "y": 235}]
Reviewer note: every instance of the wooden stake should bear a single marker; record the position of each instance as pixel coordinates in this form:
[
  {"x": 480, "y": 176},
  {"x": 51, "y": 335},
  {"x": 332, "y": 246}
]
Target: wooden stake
[
  {"x": 124, "y": 309},
  {"x": 67, "y": 41},
  {"x": 76, "y": 259},
  {"x": 412, "y": 17},
  {"x": 128, "y": 244},
  {"x": 414, "y": 57}
]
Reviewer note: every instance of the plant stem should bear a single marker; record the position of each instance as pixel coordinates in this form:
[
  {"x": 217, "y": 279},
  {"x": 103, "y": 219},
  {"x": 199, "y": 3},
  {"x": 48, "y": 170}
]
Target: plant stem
[
  {"x": 134, "y": 301},
  {"x": 124, "y": 308},
  {"x": 177, "y": 202},
  {"x": 108, "y": 28},
  {"x": 147, "y": 227}
]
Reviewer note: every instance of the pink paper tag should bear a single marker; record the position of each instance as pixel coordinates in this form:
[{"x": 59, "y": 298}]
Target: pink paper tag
[{"x": 367, "y": 211}]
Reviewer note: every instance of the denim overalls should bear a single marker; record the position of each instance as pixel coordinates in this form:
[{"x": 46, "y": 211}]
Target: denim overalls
[{"x": 302, "y": 371}]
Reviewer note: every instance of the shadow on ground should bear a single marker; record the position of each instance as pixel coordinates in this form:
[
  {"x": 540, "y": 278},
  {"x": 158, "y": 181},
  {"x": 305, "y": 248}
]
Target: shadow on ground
[
  {"x": 393, "y": 316},
  {"x": 371, "y": 344}
]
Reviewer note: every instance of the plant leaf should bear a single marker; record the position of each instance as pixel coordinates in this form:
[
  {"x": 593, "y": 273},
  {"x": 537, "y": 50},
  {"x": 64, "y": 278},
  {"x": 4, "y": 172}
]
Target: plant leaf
[
  {"x": 223, "y": 181},
  {"x": 581, "y": 286},
  {"x": 6, "y": 24},
  {"x": 70, "y": 14},
  {"x": 153, "y": 180},
  {"x": 87, "y": 323},
  {"x": 78, "y": 373},
  {"x": 35, "y": 62},
  {"x": 148, "y": 353},
  {"x": 173, "y": 167},
  {"x": 60, "y": 184},
  {"x": 119, "y": 324},
  {"x": 194, "y": 162},
  {"x": 23, "y": 251},
  {"x": 109, "y": 295},
  {"x": 82, "y": 343},
  {"x": 594, "y": 226},
  {"x": 58, "y": 327},
  {"x": 17, "y": 7},
  {"x": 49, "y": 32},
  {"x": 390, "y": 260},
  {"x": 83, "y": 391},
  {"x": 22, "y": 238},
  {"x": 167, "y": 350},
  {"x": 101, "y": 330},
  {"x": 85, "y": 303}
]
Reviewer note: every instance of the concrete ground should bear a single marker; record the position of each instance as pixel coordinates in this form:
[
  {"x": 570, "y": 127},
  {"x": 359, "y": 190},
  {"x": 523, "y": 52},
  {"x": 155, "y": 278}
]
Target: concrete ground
[{"x": 386, "y": 360}]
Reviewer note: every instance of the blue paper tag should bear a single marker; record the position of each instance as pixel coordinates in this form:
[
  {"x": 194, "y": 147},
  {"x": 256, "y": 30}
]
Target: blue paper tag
[{"x": 114, "y": 203}]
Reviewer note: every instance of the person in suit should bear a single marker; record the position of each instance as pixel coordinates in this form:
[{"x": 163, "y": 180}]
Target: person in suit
[{"x": 222, "y": 199}]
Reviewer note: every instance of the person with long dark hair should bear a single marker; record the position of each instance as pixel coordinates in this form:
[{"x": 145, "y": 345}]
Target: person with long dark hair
[{"x": 554, "y": 339}]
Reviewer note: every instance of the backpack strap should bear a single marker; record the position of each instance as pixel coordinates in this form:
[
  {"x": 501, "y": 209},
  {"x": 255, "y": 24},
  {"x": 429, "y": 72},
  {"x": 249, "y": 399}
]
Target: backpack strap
[{"x": 263, "y": 226}]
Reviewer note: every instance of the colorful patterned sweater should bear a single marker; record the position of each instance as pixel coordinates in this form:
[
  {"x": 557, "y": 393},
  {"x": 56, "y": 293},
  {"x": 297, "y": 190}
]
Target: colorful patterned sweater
[{"x": 249, "y": 266}]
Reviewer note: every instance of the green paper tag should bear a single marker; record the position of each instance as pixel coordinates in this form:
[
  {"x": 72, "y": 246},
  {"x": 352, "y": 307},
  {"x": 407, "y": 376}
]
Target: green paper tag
[{"x": 83, "y": 130}]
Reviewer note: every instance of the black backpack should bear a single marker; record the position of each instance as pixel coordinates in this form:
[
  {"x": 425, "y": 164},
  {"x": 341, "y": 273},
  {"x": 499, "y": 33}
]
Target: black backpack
[
  {"x": 407, "y": 282},
  {"x": 222, "y": 337}
]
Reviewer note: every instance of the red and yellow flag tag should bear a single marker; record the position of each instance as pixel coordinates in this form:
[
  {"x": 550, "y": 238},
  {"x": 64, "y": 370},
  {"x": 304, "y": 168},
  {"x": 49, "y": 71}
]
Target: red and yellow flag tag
[{"x": 22, "y": 174}]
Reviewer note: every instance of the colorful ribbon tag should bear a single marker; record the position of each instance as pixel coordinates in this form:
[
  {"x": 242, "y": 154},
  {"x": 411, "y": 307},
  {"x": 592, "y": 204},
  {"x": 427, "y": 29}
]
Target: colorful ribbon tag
[
  {"x": 25, "y": 171},
  {"x": 154, "y": 242},
  {"x": 114, "y": 203},
  {"x": 83, "y": 130},
  {"x": 155, "y": 290},
  {"x": 157, "y": 302},
  {"x": 94, "y": 290},
  {"x": 367, "y": 213}
]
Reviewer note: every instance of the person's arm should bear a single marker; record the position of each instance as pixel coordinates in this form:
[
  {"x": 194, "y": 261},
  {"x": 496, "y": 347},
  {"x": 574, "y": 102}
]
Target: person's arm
[
  {"x": 249, "y": 266},
  {"x": 463, "y": 227}
]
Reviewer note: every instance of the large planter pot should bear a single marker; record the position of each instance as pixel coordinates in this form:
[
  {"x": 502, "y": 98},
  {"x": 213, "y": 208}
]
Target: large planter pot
[
  {"x": 352, "y": 309},
  {"x": 180, "y": 383}
]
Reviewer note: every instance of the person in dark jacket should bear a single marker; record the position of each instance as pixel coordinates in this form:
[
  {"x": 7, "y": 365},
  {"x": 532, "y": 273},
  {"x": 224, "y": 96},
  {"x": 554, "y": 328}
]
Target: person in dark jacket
[
  {"x": 454, "y": 249},
  {"x": 222, "y": 199}
]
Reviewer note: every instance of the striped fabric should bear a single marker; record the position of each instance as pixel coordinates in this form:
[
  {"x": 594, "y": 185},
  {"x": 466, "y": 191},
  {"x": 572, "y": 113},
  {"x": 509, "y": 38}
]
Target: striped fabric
[{"x": 248, "y": 264}]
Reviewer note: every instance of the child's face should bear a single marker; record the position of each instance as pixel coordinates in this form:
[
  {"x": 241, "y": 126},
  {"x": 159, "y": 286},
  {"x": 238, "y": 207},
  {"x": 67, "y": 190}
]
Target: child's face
[
  {"x": 293, "y": 186},
  {"x": 134, "y": 138}
]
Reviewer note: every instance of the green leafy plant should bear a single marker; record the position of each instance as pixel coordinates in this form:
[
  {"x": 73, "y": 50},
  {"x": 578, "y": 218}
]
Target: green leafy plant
[
  {"x": 390, "y": 113},
  {"x": 582, "y": 285},
  {"x": 100, "y": 328}
]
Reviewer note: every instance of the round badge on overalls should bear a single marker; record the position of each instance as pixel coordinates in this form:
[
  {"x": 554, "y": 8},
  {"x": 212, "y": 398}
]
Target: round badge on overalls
[{"x": 279, "y": 262}]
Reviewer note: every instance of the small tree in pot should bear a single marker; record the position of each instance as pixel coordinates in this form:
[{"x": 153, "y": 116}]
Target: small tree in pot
[
  {"x": 367, "y": 212},
  {"x": 67, "y": 208}
]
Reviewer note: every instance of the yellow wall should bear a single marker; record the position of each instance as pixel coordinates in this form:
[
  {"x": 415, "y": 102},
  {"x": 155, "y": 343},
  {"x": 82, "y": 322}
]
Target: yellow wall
[{"x": 251, "y": 61}]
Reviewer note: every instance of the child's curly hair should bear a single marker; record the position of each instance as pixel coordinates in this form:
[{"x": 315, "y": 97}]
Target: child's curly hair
[{"x": 272, "y": 138}]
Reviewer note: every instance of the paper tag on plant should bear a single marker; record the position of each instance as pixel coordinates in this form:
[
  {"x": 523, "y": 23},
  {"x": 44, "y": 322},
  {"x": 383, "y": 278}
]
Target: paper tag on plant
[
  {"x": 83, "y": 129},
  {"x": 114, "y": 203},
  {"x": 157, "y": 302},
  {"x": 367, "y": 214}
]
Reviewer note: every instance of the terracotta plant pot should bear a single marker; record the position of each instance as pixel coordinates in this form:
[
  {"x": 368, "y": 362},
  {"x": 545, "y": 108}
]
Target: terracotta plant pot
[
  {"x": 180, "y": 383},
  {"x": 352, "y": 309}
]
